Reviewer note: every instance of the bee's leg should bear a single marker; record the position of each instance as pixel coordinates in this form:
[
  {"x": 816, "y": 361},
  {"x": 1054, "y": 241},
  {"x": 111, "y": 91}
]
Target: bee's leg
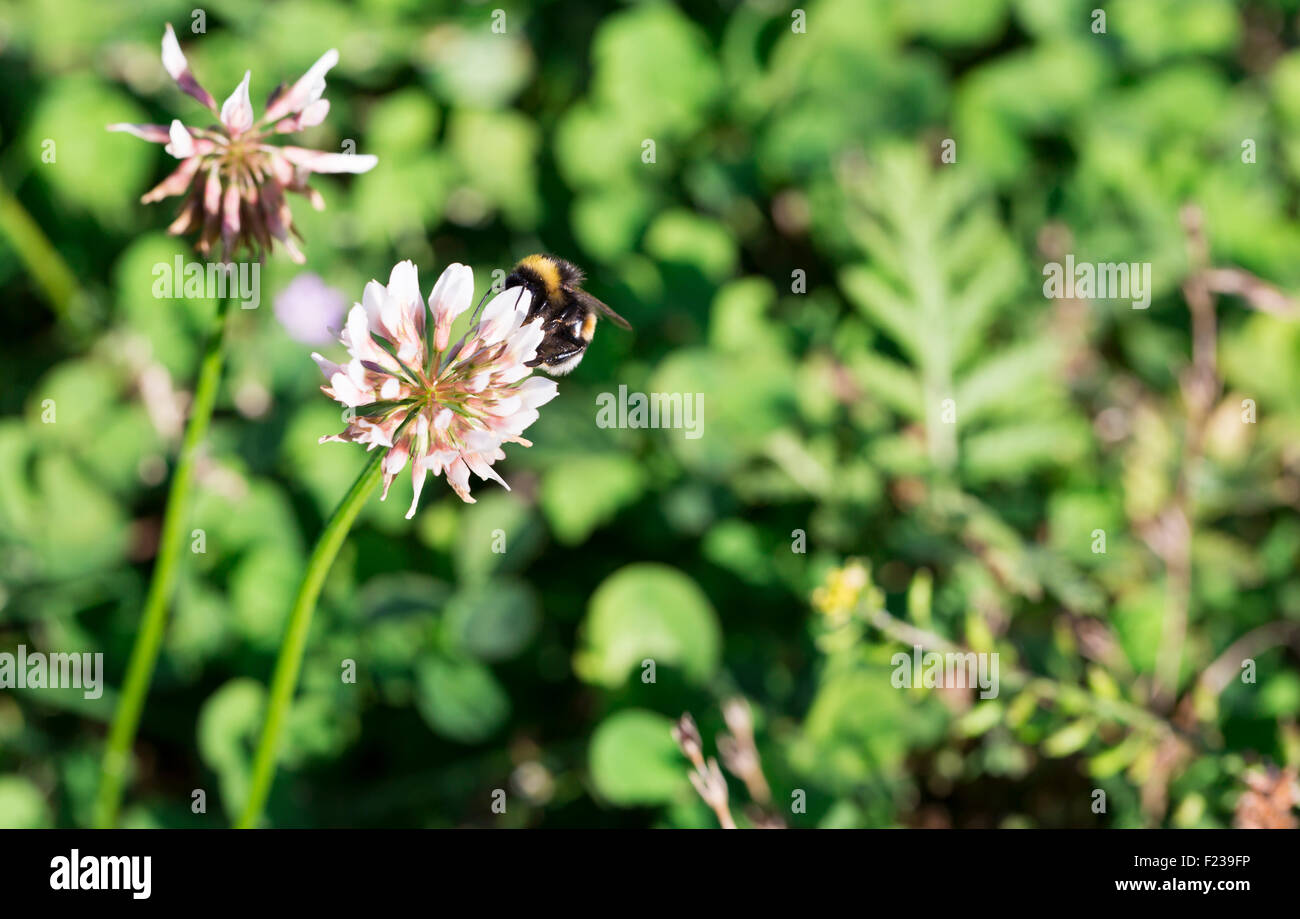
[
  {"x": 558, "y": 347},
  {"x": 535, "y": 307}
]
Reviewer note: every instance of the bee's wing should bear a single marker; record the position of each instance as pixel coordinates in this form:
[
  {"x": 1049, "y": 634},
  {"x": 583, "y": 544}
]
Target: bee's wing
[{"x": 599, "y": 306}]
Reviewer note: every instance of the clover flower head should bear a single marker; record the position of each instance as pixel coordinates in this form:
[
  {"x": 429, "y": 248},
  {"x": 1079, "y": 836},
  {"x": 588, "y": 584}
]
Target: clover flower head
[
  {"x": 439, "y": 407},
  {"x": 233, "y": 179}
]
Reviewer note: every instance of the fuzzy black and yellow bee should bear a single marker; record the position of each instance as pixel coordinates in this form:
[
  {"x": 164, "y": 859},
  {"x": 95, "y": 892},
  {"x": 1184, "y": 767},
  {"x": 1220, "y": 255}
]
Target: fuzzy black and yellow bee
[{"x": 566, "y": 311}]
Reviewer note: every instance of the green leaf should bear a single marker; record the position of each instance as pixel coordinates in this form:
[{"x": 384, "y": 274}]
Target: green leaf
[
  {"x": 325, "y": 471},
  {"x": 1138, "y": 615},
  {"x": 22, "y": 806},
  {"x": 81, "y": 394},
  {"x": 634, "y": 760},
  {"x": 478, "y": 69},
  {"x": 262, "y": 589},
  {"x": 683, "y": 237},
  {"x": 882, "y": 304},
  {"x": 942, "y": 272},
  {"x": 499, "y": 532},
  {"x": 99, "y": 538},
  {"x": 171, "y": 326},
  {"x": 994, "y": 280},
  {"x": 403, "y": 197},
  {"x": 100, "y": 171},
  {"x": 607, "y": 222},
  {"x": 402, "y": 122},
  {"x": 890, "y": 382},
  {"x": 227, "y": 727},
  {"x": 980, "y": 719},
  {"x": 648, "y": 611},
  {"x": 596, "y": 149},
  {"x": 741, "y": 322},
  {"x": 492, "y": 621},
  {"x": 740, "y": 403},
  {"x": 582, "y": 493},
  {"x": 1011, "y": 449},
  {"x": 1005, "y": 383},
  {"x": 736, "y": 545},
  {"x": 956, "y": 22},
  {"x": 1070, "y": 739},
  {"x": 1153, "y": 30},
  {"x": 401, "y": 594},
  {"x": 235, "y": 522},
  {"x": 497, "y": 152},
  {"x": 654, "y": 66},
  {"x": 460, "y": 699},
  {"x": 859, "y": 724}
]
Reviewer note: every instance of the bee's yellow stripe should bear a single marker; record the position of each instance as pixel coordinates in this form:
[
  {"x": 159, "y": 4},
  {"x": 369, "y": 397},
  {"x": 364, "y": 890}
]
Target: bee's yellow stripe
[{"x": 547, "y": 271}]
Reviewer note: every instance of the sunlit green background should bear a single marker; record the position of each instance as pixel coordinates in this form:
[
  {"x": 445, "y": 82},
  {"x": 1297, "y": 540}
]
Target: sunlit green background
[{"x": 796, "y": 252}]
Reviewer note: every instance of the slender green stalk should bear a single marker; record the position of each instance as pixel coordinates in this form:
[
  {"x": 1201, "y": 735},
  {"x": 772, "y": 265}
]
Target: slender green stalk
[
  {"x": 289, "y": 663},
  {"x": 171, "y": 543},
  {"x": 42, "y": 260}
]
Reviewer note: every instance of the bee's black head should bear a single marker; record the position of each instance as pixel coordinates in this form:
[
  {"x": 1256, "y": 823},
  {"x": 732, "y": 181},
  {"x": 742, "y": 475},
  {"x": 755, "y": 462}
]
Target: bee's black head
[{"x": 525, "y": 279}]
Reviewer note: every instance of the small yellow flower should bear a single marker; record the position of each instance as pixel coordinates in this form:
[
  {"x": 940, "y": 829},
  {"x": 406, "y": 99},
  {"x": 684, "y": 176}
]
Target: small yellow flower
[{"x": 844, "y": 586}]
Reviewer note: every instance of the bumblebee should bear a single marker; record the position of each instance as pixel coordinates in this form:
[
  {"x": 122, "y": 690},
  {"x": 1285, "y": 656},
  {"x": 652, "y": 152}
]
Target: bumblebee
[{"x": 566, "y": 311}]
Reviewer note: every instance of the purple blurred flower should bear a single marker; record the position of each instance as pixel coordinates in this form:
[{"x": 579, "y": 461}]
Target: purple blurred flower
[{"x": 310, "y": 310}]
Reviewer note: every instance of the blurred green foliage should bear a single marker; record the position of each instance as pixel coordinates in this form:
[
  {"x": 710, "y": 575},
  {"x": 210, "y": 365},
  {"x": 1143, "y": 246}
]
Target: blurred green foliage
[{"x": 767, "y": 204}]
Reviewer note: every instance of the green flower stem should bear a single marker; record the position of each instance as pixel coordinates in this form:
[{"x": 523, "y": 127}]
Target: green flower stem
[
  {"x": 289, "y": 663},
  {"x": 171, "y": 544},
  {"x": 47, "y": 268}
]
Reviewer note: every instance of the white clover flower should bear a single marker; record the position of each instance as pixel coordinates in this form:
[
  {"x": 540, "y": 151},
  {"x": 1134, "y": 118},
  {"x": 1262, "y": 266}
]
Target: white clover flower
[{"x": 439, "y": 409}]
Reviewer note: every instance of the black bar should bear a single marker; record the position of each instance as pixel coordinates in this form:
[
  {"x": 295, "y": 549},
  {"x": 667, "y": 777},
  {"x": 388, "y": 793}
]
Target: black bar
[{"x": 620, "y": 869}]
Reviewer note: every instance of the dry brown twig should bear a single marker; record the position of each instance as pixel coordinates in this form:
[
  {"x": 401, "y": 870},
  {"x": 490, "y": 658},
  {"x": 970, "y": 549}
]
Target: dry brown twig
[
  {"x": 706, "y": 777},
  {"x": 1268, "y": 801},
  {"x": 1258, "y": 294},
  {"x": 740, "y": 755},
  {"x": 1170, "y": 534}
]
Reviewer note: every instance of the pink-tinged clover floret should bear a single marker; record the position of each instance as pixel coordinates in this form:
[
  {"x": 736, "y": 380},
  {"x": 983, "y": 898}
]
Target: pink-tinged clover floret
[
  {"x": 438, "y": 407},
  {"x": 233, "y": 179}
]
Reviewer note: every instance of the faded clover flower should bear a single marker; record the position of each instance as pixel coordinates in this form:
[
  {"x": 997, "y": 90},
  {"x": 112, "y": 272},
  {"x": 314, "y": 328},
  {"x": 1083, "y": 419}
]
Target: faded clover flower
[
  {"x": 234, "y": 181},
  {"x": 440, "y": 409}
]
